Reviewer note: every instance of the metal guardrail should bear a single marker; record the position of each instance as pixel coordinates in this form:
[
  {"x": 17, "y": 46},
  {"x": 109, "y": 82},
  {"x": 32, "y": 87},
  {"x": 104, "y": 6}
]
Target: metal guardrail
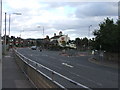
[
  {"x": 38, "y": 79},
  {"x": 34, "y": 65}
]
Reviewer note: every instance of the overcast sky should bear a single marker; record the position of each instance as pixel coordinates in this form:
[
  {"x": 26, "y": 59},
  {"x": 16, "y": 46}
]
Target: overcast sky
[{"x": 72, "y": 18}]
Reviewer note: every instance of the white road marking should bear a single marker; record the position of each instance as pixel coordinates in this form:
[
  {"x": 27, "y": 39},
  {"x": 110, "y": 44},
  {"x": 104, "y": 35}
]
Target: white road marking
[
  {"x": 7, "y": 56},
  {"x": 68, "y": 65},
  {"x": 54, "y": 72},
  {"x": 51, "y": 64}
]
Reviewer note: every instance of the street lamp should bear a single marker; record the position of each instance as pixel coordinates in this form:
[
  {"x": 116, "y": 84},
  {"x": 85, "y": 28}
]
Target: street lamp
[
  {"x": 9, "y": 27},
  {"x": 21, "y": 32},
  {"x": 119, "y": 10},
  {"x": 89, "y": 36},
  {"x": 43, "y": 29},
  {"x": 89, "y": 31},
  {"x": 5, "y": 36},
  {"x": 10, "y": 19},
  {"x": 0, "y": 31},
  {"x": 0, "y": 45}
]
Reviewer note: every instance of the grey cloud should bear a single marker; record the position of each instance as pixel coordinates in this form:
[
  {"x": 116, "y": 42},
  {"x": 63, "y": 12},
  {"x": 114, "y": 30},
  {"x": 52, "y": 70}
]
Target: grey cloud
[
  {"x": 74, "y": 24},
  {"x": 89, "y": 8},
  {"x": 85, "y": 16},
  {"x": 97, "y": 9}
]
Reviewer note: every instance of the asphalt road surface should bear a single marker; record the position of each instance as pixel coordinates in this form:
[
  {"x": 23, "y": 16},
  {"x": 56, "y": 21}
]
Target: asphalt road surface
[{"x": 78, "y": 69}]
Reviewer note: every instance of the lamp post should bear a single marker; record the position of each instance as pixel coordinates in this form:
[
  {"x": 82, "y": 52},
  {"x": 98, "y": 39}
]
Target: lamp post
[
  {"x": 89, "y": 31},
  {"x": 20, "y": 36},
  {"x": 119, "y": 10},
  {"x": 10, "y": 19},
  {"x": 9, "y": 28},
  {"x": 89, "y": 36},
  {"x": 0, "y": 31},
  {"x": 43, "y": 29},
  {"x": 5, "y": 36},
  {"x": 0, "y": 45}
]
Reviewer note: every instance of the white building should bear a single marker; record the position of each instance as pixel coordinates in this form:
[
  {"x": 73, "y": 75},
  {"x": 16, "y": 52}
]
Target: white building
[{"x": 62, "y": 40}]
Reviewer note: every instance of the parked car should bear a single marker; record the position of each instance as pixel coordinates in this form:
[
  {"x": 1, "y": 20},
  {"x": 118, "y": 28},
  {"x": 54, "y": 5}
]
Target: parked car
[{"x": 34, "y": 47}]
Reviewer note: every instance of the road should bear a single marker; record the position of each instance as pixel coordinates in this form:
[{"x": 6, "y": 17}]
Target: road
[{"x": 78, "y": 69}]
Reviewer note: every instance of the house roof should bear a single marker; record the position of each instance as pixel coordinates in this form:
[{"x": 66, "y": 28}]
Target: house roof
[
  {"x": 56, "y": 37},
  {"x": 54, "y": 41}
]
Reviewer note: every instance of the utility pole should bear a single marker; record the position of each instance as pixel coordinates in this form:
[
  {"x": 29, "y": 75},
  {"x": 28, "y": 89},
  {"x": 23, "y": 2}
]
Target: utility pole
[
  {"x": 9, "y": 23},
  {"x": 119, "y": 10},
  {"x": 42, "y": 28},
  {"x": 89, "y": 37},
  {"x": 0, "y": 31},
  {"x": 0, "y": 45},
  {"x": 10, "y": 14},
  {"x": 5, "y": 35},
  {"x": 43, "y": 31}
]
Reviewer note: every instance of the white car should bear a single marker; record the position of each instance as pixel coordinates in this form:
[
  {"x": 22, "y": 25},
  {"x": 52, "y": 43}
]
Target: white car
[{"x": 34, "y": 47}]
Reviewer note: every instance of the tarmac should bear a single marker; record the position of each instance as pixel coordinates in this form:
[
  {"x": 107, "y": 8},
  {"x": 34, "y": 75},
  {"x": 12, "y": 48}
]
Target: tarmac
[
  {"x": 12, "y": 75},
  {"x": 105, "y": 63}
]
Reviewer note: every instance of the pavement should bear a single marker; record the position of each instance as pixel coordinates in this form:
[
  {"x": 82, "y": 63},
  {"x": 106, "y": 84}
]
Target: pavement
[
  {"x": 0, "y": 74},
  {"x": 13, "y": 77}
]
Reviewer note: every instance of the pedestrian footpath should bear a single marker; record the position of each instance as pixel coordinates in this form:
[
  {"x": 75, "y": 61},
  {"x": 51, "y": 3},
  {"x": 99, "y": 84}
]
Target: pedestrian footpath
[
  {"x": 12, "y": 76},
  {"x": 0, "y": 74}
]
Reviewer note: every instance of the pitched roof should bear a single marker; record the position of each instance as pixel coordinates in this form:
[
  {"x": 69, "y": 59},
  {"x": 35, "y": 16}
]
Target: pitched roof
[{"x": 56, "y": 37}]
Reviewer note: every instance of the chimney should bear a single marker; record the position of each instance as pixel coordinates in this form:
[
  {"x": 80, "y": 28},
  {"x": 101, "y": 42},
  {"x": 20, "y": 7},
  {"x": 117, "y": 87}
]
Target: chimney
[
  {"x": 60, "y": 33},
  {"x": 54, "y": 34}
]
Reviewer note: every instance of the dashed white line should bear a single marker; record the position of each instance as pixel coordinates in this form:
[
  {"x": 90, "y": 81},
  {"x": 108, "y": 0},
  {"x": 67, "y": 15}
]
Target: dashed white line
[
  {"x": 7, "y": 56},
  {"x": 67, "y": 65}
]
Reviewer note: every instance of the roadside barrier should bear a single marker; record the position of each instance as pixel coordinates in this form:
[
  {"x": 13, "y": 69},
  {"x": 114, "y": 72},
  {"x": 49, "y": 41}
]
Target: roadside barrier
[{"x": 34, "y": 71}]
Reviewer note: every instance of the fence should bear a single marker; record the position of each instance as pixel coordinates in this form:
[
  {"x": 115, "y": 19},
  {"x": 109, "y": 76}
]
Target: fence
[
  {"x": 100, "y": 55},
  {"x": 52, "y": 79},
  {"x": 38, "y": 79}
]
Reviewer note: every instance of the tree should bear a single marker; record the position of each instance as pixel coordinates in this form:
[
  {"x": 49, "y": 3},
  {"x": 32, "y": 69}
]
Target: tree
[
  {"x": 107, "y": 36},
  {"x": 78, "y": 42},
  {"x": 85, "y": 41}
]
